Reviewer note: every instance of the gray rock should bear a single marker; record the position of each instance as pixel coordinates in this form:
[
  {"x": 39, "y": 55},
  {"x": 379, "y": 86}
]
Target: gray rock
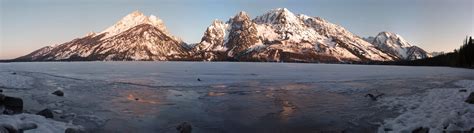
[
  {"x": 58, "y": 93},
  {"x": 373, "y": 97},
  {"x": 74, "y": 130},
  {"x": 184, "y": 128},
  {"x": 2, "y": 97},
  {"x": 470, "y": 99},
  {"x": 421, "y": 130},
  {"x": 46, "y": 113},
  {"x": 7, "y": 128},
  {"x": 462, "y": 90}
]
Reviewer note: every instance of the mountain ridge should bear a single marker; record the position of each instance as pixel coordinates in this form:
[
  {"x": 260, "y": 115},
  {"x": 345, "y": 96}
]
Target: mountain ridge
[{"x": 277, "y": 36}]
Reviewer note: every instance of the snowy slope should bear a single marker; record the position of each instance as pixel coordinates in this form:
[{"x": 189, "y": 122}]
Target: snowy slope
[
  {"x": 134, "y": 37},
  {"x": 394, "y": 44}
]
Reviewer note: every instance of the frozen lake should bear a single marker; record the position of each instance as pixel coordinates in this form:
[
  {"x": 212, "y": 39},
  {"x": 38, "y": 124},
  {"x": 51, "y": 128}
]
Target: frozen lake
[{"x": 231, "y": 97}]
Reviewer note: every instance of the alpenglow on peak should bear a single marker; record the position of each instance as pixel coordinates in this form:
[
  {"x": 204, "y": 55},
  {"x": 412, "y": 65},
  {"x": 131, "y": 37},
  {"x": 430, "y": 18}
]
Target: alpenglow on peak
[{"x": 131, "y": 20}]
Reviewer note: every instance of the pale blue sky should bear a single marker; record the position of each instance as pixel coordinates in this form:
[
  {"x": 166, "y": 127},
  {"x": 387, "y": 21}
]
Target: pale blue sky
[{"x": 27, "y": 25}]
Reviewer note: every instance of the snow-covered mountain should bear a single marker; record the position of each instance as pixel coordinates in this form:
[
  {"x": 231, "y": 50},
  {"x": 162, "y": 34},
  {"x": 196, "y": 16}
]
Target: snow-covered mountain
[
  {"x": 278, "y": 35},
  {"x": 394, "y": 44},
  {"x": 134, "y": 37}
]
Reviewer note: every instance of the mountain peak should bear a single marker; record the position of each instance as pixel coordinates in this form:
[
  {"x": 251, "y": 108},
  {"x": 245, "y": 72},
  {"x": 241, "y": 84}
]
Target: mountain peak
[
  {"x": 393, "y": 38},
  {"x": 241, "y": 16},
  {"x": 394, "y": 44},
  {"x": 277, "y": 16},
  {"x": 136, "y": 13},
  {"x": 131, "y": 20}
]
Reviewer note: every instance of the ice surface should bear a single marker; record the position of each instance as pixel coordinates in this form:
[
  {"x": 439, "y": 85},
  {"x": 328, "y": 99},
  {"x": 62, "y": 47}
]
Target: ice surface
[
  {"x": 10, "y": 80},
  {"x": 238, "y": 97}
]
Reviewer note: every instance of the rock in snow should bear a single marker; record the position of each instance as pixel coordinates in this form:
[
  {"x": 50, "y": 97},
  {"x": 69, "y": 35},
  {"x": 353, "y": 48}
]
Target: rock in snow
[
  {"x": 46, "y": 113},
  {"x": 184, "y": 127},
  {"x": 470, "y": 99},
  {"x": 58, "y": 93},
  {"x": 12, "y": 105},
  {"x": 278, "y": 35}
]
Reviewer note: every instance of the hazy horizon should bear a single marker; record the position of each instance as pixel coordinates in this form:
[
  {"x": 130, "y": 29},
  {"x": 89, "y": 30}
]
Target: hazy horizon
[{"x": 434, "y": 25}]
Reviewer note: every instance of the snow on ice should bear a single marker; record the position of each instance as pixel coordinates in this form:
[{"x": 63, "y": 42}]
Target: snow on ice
[{"x": 440, "y": 109}]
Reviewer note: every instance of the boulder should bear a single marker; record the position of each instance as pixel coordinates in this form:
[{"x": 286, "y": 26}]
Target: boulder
[
  {"x": 184, "y": 128},
  {"x": 46, "y": 113},
  {"x": 58, "y": 93},
  {"x": 12, "y": 105},
  {"x": 7, "y": 128},
  {"x": 470, "y": 98}
]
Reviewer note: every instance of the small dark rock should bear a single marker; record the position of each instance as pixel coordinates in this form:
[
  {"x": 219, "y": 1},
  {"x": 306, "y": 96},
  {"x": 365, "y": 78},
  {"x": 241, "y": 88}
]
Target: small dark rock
[
  {"x": 387, "y": 129},
  {"x": 470, "y": 99},
  {"x": 421, "y": 130},
  {"x": 184, "y": 128},
  {"x": 12, "y": 105},
  {"x": 46, "y": 113},
  {"x": 58, "y": 93},
  {"x": 1, "y": 90},
  {"x": 462, "y": 90},
  {"x": 74, "y": 130},
  {"x": 2, "y": 97},
  {"x": 136, "y": 99},
  {"x": 14, "y": 73},
  {"x": 198, "y": 79},
  {"x": 373, "y": 97}
]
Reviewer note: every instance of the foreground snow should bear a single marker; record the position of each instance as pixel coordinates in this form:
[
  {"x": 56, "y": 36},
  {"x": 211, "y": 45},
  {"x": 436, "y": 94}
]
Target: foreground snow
[
  {"x": 44, "y": 125},
  {"x": 441, "y": 109}
]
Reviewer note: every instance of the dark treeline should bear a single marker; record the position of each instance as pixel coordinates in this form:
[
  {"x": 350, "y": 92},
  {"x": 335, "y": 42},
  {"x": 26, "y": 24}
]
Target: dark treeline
[{"x": 462, "y": 57}]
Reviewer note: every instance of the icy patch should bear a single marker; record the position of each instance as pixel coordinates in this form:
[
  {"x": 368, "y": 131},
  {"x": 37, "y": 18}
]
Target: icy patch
[
  {"x": 465, "y": 83},
  {"x": 44, "y": 125},
  {"x": 10, "y": 80},
  {"x": 441, "y": 109}
]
